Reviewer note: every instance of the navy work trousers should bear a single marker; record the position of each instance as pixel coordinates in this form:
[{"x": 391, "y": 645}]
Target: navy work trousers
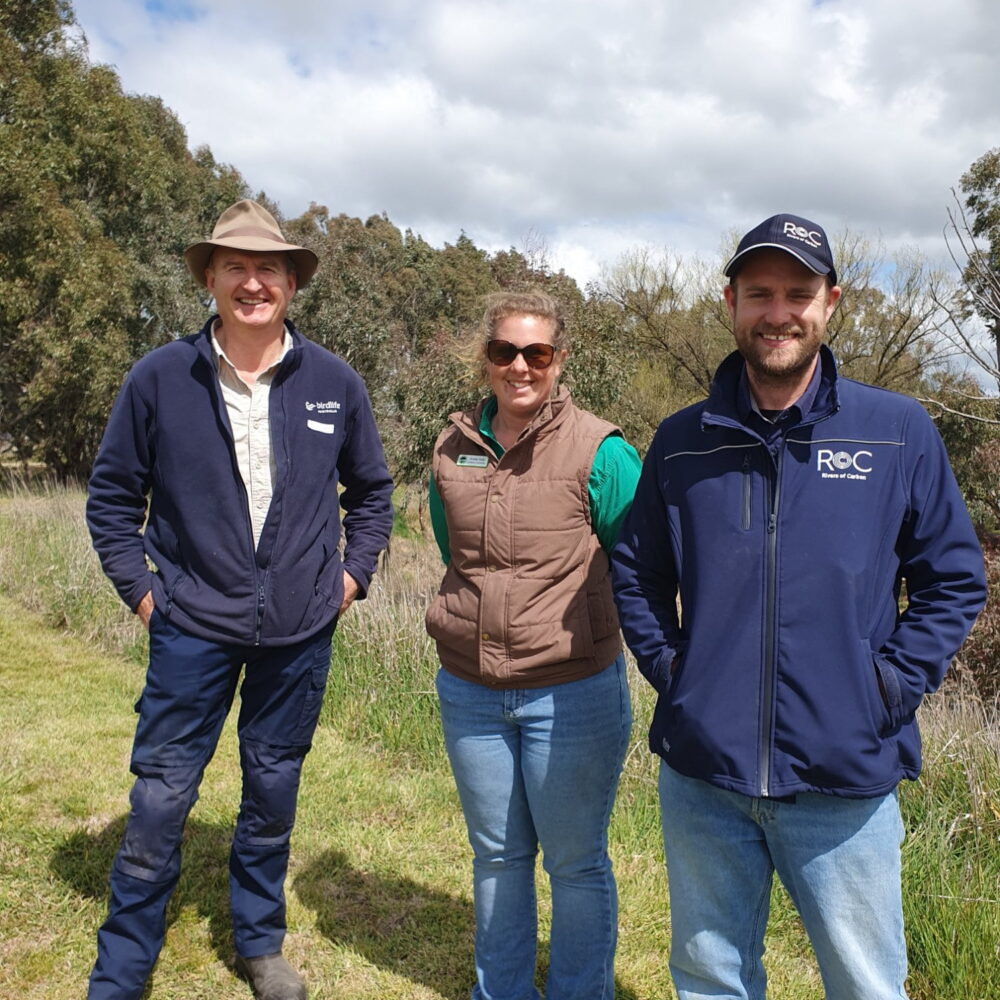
[{"x": 190, "y": 685}]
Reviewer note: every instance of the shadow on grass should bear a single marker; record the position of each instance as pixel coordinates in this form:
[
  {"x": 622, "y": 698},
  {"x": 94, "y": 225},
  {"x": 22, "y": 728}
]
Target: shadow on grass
[
  {"x": 83, "y": 861},
  {"x": 402, "y": 926},
  {"x": 399, "y": 925}
]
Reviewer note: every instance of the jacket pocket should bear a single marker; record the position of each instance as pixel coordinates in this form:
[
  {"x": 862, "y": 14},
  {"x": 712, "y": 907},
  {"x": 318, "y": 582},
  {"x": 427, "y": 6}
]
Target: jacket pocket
[
  {"x": 666, "y": 674},
  {"x": 602, "y": 614},
  {"x": 672, "y": 676},
  {"x": 746, "y": 493},
  {"x": 889, "y": 689},
  {"x": 171, "y": 592}
]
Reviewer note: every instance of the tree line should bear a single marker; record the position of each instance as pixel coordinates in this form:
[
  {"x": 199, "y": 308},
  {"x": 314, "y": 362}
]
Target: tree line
[{"x": 99, "y": 195}]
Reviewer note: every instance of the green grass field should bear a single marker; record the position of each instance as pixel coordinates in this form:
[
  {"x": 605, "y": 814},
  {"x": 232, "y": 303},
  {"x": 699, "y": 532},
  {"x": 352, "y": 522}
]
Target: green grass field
[{"x": 379, "y": 886}]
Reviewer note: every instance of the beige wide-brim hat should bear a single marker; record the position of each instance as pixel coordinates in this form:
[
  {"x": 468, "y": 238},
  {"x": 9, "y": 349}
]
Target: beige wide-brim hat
[{"x": 249, "y": 226}]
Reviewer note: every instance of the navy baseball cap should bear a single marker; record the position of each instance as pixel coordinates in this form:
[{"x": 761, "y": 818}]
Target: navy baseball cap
[{"x": 801, "y": 238}]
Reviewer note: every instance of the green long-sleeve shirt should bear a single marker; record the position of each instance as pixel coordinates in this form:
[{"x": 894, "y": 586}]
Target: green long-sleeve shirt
[{"x": 611, "y": 486}]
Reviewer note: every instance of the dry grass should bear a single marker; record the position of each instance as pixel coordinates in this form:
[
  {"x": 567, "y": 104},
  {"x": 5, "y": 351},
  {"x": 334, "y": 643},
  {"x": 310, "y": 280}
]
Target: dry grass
[{"x": 379, "y": 885}]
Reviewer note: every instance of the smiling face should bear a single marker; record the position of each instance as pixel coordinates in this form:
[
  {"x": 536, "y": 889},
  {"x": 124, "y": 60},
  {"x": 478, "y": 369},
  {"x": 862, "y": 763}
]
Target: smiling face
[
  {"x": 252, "y": 290},
  {"x": 779, "y": 310},
  {"x": 521, "y": 390}
]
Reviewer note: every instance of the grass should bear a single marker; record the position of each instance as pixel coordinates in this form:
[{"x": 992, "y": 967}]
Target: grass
[
  {"x": 952, "y": 857},
  {"x": 362, "y": 900},
  {"x": 379, "y": 885}
]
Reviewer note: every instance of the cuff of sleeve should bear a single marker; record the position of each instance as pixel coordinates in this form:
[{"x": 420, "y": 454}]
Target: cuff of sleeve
[
  {"x": 658, "y": 670},
  {"x": 362, "y": 579},
  {"x": 133, "y": 595}
]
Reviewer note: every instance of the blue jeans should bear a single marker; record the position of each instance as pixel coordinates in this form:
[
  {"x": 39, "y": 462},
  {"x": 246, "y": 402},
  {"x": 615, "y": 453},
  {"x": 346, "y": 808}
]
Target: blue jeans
[
  {"x": 838, "y": 858},
  {"x": 540, "y": 766},
  {"x": 190, "y": 685}
]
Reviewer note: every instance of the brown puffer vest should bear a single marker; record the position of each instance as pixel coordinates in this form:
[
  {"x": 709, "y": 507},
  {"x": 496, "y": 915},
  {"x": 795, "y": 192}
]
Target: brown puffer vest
[{"x": 526, "y": 599}]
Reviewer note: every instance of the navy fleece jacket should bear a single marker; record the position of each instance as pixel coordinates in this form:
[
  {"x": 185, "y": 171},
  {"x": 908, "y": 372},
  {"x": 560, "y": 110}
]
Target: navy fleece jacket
[{"x": 168, "y": 453}]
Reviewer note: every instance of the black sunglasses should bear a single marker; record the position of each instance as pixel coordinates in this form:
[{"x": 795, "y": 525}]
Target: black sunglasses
[{"x": 503, "y": 352}]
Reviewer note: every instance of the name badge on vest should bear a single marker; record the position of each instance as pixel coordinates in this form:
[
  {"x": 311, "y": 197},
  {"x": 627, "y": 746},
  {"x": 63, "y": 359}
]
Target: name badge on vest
[{"x": 472, "y": 461}]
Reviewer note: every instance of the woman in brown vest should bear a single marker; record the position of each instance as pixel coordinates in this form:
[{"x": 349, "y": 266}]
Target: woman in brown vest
[{"x": 527, "y": 495}]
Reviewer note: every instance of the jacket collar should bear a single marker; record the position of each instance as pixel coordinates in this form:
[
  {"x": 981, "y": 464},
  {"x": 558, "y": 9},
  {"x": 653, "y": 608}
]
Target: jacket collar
[
  {"x": 292, "y": 359},
  {"x": 722, "y": 405}
]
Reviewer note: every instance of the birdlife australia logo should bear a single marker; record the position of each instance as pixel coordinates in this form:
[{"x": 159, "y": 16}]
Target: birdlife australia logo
[
  {"x": 843, "y": 464},
  {"x": 325, "y": 409}
]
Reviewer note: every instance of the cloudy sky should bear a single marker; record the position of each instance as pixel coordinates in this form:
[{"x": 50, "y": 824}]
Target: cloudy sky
[{"x": 592, "y": 126}]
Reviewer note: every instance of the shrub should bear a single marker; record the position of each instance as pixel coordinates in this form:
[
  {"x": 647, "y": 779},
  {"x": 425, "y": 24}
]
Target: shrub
[{"x": 980, "y": 656}]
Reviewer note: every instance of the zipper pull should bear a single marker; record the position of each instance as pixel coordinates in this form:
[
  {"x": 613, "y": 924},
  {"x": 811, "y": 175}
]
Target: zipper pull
[{"x": 260, "y": 613}]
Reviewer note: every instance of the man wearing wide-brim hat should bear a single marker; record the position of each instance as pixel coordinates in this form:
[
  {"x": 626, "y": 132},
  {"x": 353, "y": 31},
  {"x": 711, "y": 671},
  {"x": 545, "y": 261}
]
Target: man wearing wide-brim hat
[{"x": 213, "y": 506}]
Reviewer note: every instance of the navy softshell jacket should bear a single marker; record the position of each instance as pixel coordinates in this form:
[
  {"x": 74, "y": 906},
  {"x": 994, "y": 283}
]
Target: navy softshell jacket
[{"x": 789, "y": 666}]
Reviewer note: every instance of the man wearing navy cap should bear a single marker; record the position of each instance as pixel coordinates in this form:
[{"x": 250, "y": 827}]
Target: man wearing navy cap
[{"x": 785, "y": 511}]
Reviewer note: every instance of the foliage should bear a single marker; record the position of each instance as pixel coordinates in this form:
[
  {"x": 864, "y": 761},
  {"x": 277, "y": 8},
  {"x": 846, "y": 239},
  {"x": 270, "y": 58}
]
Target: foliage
[
  {"x": 951, "y": 866},
  {"x": 671, "y": 309},
  {"x": 98, "y": 197},
  {"x": 979, "y": 663},
  {"x": 968, "y": 418},
  {"x": 970, "y": 429},
  {"x": 973, "y": 237},
  {"x": 398, "y": 310},
  {"x": 602, "y": 364},
  {"x": 981, "y": 186},
  {"x": 885, "y": 328},
  {"x": 47, "y": 564}
]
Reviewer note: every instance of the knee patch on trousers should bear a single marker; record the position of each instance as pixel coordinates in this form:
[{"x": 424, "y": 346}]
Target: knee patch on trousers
[
  {"x": 161, "y": 800},
  {"x": 270, "y": 791}
]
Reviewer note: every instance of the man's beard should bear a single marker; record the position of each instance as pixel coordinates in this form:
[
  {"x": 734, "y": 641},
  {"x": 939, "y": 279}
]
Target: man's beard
[{"x": 770, "y": 369}]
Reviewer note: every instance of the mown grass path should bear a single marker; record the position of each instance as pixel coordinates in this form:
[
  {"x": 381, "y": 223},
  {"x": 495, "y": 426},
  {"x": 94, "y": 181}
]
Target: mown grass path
[
  {"x": 372, "y": 911},
  {"x": 378, "y": 893}
]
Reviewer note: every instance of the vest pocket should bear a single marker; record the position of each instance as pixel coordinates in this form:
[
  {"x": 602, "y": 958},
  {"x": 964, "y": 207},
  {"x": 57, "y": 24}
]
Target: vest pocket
[
  {"x": 602, "y": 615},
  {"x": 454, "y": 631},
  {"x": 435, "y": 616},
  {"x": 548, "y": 643}
]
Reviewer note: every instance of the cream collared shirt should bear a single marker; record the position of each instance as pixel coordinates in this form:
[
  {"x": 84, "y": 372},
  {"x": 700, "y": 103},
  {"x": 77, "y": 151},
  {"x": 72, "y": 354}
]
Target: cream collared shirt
[{"x": 247, "y": 407}]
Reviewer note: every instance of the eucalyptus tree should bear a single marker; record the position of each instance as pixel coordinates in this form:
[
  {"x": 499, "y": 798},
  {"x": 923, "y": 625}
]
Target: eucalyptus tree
[
  {"x": 98, "y": 197},
  {"x": 973, "y": 236}
]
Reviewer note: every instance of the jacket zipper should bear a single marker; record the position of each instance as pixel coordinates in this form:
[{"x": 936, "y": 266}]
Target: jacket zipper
[
  {"x": 258, "y": 583},
  {"x": 770, "y": 610},
  {"x": 220, "y": 404},
  {"x": 770, "y": 632},
  {"x": 260, "y": 613}
]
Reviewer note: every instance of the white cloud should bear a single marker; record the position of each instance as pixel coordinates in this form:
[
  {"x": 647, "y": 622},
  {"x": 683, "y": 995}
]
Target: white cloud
[{"x": 598, "y": 125}]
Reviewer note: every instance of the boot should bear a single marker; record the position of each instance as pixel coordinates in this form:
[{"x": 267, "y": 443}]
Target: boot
[{"x": 271, "y": 977}]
